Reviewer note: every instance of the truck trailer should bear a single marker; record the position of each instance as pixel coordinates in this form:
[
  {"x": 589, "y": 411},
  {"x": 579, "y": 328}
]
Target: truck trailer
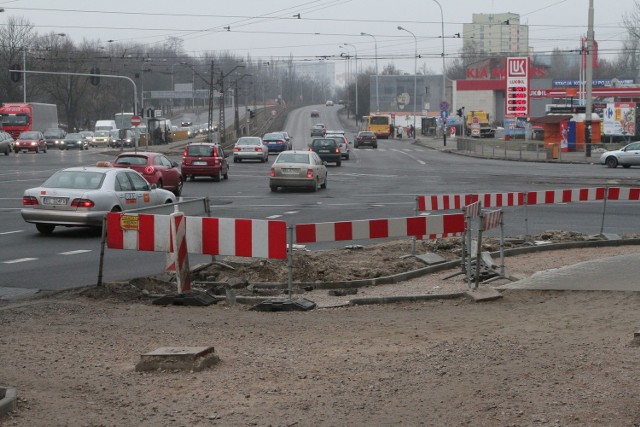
[{"x": 20, "y": 117}]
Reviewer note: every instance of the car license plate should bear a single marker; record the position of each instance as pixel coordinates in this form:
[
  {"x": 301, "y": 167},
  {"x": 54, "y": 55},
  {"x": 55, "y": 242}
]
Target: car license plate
[
  {"x": 247, "y": 148},
  {"x": 324, "y": 151},
  {"x": 289, "y": 171},
  {"x": 199, "y": 163},
  {"x": 57, "y": 201}
]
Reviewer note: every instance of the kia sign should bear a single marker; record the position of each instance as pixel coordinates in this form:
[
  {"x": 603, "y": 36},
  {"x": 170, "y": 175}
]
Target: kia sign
[{"x": 517, "y": 102}]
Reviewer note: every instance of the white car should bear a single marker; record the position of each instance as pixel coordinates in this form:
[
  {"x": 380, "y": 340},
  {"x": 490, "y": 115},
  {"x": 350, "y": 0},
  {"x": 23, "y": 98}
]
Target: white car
[
  {"x": 81, "y": 196},
  {"x": 298, "y": 169},
  {"x": 626, "y": 156},
  {"x": 329, "y": 103},
  {"x": 250, "y": 148},
  {"x": 342, "y": 141}
]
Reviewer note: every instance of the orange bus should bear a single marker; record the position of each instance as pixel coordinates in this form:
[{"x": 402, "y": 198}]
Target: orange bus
[{"x": 379, "y": 124}]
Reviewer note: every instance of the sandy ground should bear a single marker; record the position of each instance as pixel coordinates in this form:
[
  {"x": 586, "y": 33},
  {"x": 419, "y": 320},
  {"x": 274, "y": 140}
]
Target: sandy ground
[{"x": 529, "y": 359}]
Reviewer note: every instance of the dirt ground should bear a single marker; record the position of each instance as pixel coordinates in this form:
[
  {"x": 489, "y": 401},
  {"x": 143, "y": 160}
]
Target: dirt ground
[{"x": 529, "y": 359}]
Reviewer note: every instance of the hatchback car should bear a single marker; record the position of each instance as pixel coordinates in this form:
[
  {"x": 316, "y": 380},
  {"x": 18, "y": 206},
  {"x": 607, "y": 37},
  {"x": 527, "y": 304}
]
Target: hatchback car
[
  {"x": 627, "y": 156},
  {"x": 30, "y": 141},
  {"x": 276, "y": 142},
  {"x": 315, "y": 113},
  {"x": 365, "y": 138},
  {"x": 81, "y": 196},
  {"x": 318, "y": 129},
  {"x": 342, "y": 141},
  {"x": 250, "y": 148},
  {"x": 6, "y": 143},
  {"x": 298, "y": 169},
  {"x": 328, "y": 150},
  {"x": 156, "y": 168},
  {"x": 204, "y": 159},
  {"x": 73, "y": 140},
  {"x": 54, "y": 137}
]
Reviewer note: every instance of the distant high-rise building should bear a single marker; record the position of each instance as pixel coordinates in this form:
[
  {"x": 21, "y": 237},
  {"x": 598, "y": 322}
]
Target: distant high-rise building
[{"x": 497, "y": 34}]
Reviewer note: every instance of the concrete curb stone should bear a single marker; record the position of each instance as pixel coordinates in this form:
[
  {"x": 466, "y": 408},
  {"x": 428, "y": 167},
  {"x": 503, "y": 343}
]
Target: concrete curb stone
[{"x": 8, "y": 400}]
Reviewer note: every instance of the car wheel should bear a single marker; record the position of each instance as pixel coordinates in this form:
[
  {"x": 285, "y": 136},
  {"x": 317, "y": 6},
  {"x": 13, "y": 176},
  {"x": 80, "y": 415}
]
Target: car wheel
[
  {"x": 226, "y": 174},
  {"x": 45, "y": 149},
  {"x": 375, "y": 147},
  {"x": 178, "y": 189},
  {"x": 626, "y": 166},
  {"x": 45, "y": 228},
  {"x": 355, "y": 145},
  {"x": 262, "y": 160},
  {"x": 37, "y": 149},
  {"x": 160, "y": 184},
  {"x": 315, "y": 186},
  {"x": 235, "y": 160},
  {"x": 324, "y": 184},
  {"x": 192, "y": 178},
  {"x": 347, "y": 157},
  {"x": 6, "y": 151},
  {"x": 611, "y": 162},
  {"x": 216, "y": 178},
  {"x": 61, "y": 148},
  {"x": 274, "y": 188},
  {"x": 339, "y": 163}
]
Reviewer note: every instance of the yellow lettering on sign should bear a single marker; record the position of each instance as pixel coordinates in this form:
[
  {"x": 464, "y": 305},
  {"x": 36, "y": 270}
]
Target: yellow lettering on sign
[{"x": 129, "y": 222}]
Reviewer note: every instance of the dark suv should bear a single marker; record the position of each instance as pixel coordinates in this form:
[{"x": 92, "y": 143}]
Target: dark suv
[{"x": 328, "y": 150}]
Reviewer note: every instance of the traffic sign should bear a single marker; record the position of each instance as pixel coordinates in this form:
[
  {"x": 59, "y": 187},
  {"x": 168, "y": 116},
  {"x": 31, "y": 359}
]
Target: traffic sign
[
  {"x": 444, "y": 106},
  {"x": 444, "y": 114},
  {"x": 136, "y": 120}
]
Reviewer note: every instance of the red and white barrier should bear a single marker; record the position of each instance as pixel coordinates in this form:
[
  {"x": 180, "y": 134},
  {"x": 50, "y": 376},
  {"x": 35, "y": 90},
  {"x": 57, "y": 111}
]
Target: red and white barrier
[
  {"x": 138, "y": 232},
  {"x": 237, "y": 237},
  {"x": 179, "y": 251},
  {"x": 472, "y": 210},
  {"x": 490, "y": 219},
  {"x": 520, "y": 198},
  {"x": 418, "y": 227}
]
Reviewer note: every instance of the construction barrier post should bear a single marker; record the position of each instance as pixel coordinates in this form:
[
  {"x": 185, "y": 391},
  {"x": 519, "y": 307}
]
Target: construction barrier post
[
  {"x": 604, "y": 208},
  {"x": 179, "y": 250},
  {"x": 479, "y": 253},
  {"x": 290, "y": 261},
  {"x": 102, "y": 245},
  {"x": 502, "y": 243}
]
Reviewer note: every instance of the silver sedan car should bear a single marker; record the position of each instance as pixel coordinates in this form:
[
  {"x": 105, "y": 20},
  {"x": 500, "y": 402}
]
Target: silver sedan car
[
  {"x": 626, "y": 157},
  {"x": 301, "y": 169},
  {"x": 250, "y": 148},
  {"x": 81, "y": 196}
]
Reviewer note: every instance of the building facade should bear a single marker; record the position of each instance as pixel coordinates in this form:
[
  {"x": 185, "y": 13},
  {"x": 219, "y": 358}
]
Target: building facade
[{"x": 496, "y": 34}]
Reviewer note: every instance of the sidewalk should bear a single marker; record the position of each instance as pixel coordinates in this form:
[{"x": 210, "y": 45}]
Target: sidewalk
[{"x": 530, "y": 151}]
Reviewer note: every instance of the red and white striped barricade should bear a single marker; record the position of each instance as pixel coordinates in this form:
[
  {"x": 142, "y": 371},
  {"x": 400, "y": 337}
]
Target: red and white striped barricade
[
  {"x": 490, "y": 219},
  {"x": 138, "y": 232},
  {"x": 237, "y": 237},
  {"x": 418, "y": 227},
  {"x": 179, "y": 251}
]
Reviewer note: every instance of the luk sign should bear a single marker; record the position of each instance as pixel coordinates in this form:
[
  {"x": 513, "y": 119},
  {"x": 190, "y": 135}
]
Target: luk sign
[{"x": 517, "y": 102}]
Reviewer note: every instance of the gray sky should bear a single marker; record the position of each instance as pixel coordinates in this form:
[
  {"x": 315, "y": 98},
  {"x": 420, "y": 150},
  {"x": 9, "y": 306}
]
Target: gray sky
[{"x": 269, "y": 29}]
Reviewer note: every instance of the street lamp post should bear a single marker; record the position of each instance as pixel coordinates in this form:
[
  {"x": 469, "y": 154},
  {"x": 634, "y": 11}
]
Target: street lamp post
[
  {"x": 375, "y": 44},
  {"x": 444, "y": 90},
  {"x": 356, "y": 79},
  {"x": 415, "y": 75},
  {"x": 347, "y": 77}
]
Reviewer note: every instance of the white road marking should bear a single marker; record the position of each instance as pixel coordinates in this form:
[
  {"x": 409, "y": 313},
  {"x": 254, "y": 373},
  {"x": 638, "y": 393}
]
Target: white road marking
[
  {"x": 79, "y": 251},
  {"x": 291, "y": 212},
  {"x": 11, "y": 232},
  {"x": 274, "y": 216},
  {"x": 15, "y": 261},
  {"x": 417, "y": 160}
]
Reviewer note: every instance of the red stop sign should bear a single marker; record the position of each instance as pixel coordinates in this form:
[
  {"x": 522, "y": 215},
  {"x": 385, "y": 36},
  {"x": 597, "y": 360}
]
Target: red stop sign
[{"x": 136, "y": 120}]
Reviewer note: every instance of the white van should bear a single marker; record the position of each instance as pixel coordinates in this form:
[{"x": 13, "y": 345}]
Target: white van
[{"x": 105, "y": 125}]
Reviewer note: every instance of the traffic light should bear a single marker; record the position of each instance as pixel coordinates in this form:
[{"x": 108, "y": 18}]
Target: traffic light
[
  {"x": 252, "y": 113},
  {"x": 460, "y": 112},
  {"x": 15, "y": 77},
  {"x": 95, "y": 80}
]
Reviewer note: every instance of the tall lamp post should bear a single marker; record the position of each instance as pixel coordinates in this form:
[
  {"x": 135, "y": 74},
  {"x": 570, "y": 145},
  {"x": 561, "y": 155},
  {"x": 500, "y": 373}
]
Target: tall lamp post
[
  {"x": 444, "y": 72},
  {"x": 375, "y": 44},
  {"x": 347, "y": 77},
  {"x": 415, "y": 75},
  {"x": 356, "y": 79}
]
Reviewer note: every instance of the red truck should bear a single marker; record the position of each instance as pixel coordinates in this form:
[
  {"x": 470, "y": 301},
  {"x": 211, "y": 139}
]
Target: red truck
[{"x": 19, "y": 117}]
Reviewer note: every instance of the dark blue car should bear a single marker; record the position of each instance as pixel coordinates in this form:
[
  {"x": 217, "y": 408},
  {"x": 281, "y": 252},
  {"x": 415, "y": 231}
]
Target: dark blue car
[{"x": 276, "y": 141}]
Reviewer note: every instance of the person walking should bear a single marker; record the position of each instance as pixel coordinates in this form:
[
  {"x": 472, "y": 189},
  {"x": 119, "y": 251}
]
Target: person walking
[{"x": 391, "y": 130}]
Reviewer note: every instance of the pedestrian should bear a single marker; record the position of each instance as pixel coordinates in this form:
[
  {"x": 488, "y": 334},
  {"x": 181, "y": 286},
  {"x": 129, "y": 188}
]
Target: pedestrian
[
  {"x": 413, "y": 131},
  {"x": 391, "y": 130}
]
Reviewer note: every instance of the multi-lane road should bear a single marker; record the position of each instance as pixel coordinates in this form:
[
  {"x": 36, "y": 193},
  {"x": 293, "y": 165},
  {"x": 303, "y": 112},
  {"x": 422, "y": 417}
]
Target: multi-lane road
[{"x": 380, "y": 183}]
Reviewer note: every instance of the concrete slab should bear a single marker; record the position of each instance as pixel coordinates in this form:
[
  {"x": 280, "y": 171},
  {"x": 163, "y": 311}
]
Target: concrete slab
[
  {"x": 483, "y": 294},
  {"x": 178, "y": 358},
  {"x": 8, "y": 400},
  {"x": 610, "y": 236},
  {"x": 430, "y": 258}
]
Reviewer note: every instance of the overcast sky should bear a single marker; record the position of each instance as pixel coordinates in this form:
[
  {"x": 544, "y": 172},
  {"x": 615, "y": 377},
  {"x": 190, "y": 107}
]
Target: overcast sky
[{"x": 268, "y": 29}]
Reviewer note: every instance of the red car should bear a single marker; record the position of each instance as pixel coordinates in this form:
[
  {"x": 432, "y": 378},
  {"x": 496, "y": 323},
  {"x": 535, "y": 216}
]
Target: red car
[
  {"x": 31, "y": 141},
  {"x": 204, "y": 159},
  {"x": 156, "y": 168}
]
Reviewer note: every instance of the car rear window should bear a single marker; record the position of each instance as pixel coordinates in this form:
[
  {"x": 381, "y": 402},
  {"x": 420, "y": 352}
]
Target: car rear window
[
  {"x": 131, "y": 160},
  {"x": 249, "y": 141},
  {"x": 200, "y": 151},
  {"x": 323, "y": 143},
  {"x": 77, "y": 180},
  {"x": 293, "y": 158}
]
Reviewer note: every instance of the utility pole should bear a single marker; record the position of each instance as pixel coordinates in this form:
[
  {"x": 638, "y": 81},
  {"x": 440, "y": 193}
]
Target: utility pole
[
  {"x": 221, "y": 125},
  {"x": 236, "y": 113},
  {"x": 589, "y": 82},
  {"x": 210, "y": 116}
]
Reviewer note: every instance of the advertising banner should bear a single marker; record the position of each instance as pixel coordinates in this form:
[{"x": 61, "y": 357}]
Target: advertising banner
[{"x": 620, "y": 119}]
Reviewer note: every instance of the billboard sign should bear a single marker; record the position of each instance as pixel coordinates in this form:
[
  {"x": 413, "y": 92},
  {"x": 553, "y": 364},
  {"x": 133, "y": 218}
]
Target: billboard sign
[
  {"x": 517, "y": 91},
  {"x": 620, "y": 119}
]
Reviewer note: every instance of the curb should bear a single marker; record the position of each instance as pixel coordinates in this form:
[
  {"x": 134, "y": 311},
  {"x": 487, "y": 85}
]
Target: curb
[{"x": 8, "y": 401}]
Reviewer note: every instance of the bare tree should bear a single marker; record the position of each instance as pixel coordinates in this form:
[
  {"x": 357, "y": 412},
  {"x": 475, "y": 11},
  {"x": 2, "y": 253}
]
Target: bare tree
[{"x": 15, "y": 36}]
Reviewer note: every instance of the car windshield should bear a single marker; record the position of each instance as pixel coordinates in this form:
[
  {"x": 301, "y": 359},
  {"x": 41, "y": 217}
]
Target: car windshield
[
  {"x": 293, "y": 158},
  {"x": 74, "y": 136},
  {"x": 102, "y": 133},
  {"x": 15, "y": 119},
  {"x": 29, "y": 135},
  {"x": 52, "y": 134},
  {"x": 76, "y": 180},
  {"x": 199, "y": 151}
]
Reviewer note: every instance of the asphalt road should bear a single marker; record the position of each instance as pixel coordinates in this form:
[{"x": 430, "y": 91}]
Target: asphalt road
[{"x": 380, "y": 183}]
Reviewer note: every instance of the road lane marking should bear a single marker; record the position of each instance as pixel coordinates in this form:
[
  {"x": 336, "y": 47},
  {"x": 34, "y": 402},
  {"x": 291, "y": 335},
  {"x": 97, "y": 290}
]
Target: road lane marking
[
  {"x": 15, "y": 261},
  {"x": 417, "y": 160},
  {"x": 79, "y": 251},
  {"x": 274, "y": 216},
  {"x": 291, "y": 212},
  {"x": 11, "y": 232}
]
